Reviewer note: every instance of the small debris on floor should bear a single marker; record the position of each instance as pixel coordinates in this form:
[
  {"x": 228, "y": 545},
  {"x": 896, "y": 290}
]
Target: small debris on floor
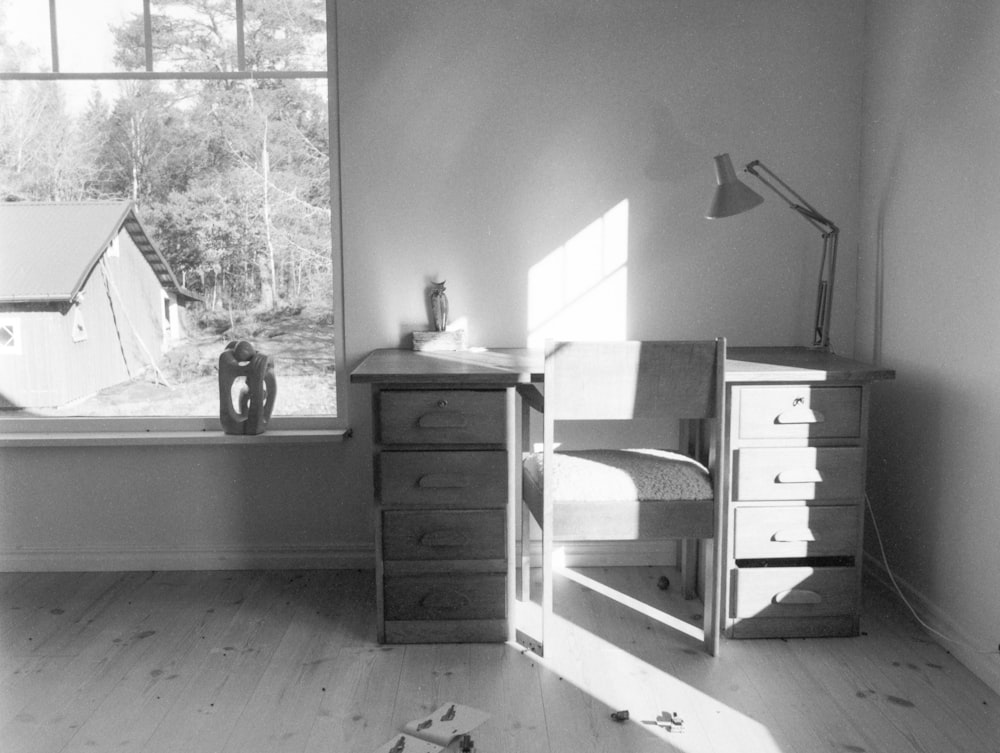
[
  {"x": 663, "y": 583},
  {"x": 670, "y": 721}
]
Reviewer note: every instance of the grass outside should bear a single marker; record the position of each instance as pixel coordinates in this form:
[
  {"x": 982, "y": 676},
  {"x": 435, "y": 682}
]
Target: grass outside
[{"x": 301, "y": 345}]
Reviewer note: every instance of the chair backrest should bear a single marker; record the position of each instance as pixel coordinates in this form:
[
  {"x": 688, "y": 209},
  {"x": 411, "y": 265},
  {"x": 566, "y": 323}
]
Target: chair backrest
[{"x": 634, "y": 379}]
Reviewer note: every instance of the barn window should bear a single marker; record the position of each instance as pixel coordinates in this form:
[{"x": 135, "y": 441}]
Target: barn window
[
  {"x": 216, "y": 119},
  {"x": 10, "y": 336}
]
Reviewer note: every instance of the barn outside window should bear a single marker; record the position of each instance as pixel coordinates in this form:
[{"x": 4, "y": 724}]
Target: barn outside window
[{"x": 165, "y": 188}]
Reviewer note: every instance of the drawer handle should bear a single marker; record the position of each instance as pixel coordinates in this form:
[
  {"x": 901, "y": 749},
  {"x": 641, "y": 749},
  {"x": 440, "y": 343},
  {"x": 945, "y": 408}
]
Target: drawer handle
[
  {"x": 444, "y": 539},
  {"x": 442, "y": 420},
  {"x": 800, "y": 415},
  {"x": 443, "y": 481},
  {"x": 445, "y": 600},
  {"x": 800, "y": 476},
  {"x": 794, "y": 534},
  {"x": 797, "y": 596}
]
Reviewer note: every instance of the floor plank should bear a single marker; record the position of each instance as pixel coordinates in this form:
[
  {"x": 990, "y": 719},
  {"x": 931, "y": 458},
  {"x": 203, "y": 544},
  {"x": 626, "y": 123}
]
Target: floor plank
[
  {"x": 356, "y": 712},
  {"x": 280, "y": 713},
  {"x": 136, "y": 705},
  {"x": 286, "y": 662},
  {"x": 206, "y": 715},
  {"x": 63, "y": 694}
]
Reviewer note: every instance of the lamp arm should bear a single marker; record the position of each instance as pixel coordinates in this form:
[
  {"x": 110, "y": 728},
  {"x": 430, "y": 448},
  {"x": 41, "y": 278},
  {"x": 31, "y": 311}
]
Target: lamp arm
[
  {"x": 800, "y": 205},
  {"x": 828, "y": 261}
]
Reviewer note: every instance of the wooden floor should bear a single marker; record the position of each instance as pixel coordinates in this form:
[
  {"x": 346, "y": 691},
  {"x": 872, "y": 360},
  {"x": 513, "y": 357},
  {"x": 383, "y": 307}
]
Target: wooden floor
[{"x": 192, "y": 662}]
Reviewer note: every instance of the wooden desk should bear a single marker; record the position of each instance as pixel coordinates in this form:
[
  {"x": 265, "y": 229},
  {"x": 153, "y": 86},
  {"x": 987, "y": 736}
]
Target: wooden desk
[
  {"x": 797, "y": 431},
  {"x": 446, "y": 464}
]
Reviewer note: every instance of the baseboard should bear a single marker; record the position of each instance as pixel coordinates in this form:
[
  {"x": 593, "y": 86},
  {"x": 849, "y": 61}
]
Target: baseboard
[
  {"x": 986, "y": 666},
  {"x": 314, "y": 557}
]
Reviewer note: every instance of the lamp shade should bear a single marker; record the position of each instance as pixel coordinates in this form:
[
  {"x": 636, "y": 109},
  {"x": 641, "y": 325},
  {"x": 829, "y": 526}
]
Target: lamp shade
[{"x": 732, "y": 196}]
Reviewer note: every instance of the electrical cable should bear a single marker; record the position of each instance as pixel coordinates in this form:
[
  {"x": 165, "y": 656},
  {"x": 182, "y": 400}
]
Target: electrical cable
[{"x": 899, "y": 591}]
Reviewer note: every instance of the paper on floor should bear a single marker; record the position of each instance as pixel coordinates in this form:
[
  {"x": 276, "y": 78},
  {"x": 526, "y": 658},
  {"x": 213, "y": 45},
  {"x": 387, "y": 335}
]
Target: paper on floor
[
  {"x": 409, "y": 744},
  {"x": 434, "y": 732}
]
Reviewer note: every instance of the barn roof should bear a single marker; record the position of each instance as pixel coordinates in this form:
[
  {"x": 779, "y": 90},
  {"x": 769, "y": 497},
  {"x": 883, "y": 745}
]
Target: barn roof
[{"x": 49, "y": 249}]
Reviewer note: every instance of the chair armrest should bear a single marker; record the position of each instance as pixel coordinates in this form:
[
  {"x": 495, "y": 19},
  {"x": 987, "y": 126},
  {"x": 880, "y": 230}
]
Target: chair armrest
[{"x": 532, "y": 397}]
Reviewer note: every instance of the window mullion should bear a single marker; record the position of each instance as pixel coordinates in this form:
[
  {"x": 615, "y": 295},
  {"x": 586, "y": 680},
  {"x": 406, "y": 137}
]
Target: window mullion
[
  {"x": 241, "y": 57},
  {"x": 53, "y": 36},
  {"x": 147, "y": 27}
]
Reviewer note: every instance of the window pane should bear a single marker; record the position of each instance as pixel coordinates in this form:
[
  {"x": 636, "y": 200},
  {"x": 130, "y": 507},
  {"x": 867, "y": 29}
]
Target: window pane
[
  {"x": 201, "y": 35},
  {"x": 24, "y": 36},
  {"x": 86, "y": 32},
  {"x": 285, "y": 35},
  {"x": 229, "y": 181},
  {"x": 188, "y": 35}
]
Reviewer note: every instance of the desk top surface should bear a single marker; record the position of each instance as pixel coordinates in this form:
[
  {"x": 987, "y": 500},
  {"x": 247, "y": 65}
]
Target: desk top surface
[{"x": 509, "y": 366}]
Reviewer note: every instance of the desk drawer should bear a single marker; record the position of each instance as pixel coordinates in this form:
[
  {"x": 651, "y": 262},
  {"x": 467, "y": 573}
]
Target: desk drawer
[
  {"x": 443, "y": 479},
  {"x": 442, "y": 417},
  {"x": 806, "y": 473},
  {"x": 443, "y": 535},
  {"x": 795, "y": 591},
  {"x": 775, "y": 532},
  {"x": 446, "y": 596},
  {"x": 802, "y": 411}
]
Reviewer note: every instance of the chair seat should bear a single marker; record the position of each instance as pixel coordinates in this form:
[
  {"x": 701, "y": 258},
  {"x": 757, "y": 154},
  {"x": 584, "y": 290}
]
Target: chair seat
[
  {"x": 622, "y": 475},
  {"x": 608, "y": 494}
]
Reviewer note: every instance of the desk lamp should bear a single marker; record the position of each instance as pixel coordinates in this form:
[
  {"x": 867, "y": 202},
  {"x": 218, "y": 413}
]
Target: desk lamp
[{"x": 733, "y": 197}]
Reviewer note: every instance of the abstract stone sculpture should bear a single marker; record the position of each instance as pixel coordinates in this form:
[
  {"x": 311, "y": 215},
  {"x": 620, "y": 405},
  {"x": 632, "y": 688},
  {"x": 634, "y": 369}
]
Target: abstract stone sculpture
[{"x": 255, "y": 401}]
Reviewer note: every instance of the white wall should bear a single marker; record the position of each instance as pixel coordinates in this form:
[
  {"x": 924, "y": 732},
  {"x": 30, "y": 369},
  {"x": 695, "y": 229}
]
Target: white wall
[
  {"x": 179, "y": 507},
  {"x": 930, "y": 224},
  {"x": 478, "y": 137}
]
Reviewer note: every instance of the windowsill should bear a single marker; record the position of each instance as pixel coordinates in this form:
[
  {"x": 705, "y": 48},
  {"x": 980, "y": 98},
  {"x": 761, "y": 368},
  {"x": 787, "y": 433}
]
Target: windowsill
[{"x": 160, "y": 438}]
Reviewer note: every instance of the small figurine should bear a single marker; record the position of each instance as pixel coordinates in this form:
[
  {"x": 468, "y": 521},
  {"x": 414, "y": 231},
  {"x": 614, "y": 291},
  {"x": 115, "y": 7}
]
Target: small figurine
[
  {"x": 256, "y": 396},
  {"x": 439, "y": 306}
]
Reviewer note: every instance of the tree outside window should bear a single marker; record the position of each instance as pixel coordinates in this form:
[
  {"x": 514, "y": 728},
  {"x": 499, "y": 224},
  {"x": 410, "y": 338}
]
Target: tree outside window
[{"x": 212, "y": 118}]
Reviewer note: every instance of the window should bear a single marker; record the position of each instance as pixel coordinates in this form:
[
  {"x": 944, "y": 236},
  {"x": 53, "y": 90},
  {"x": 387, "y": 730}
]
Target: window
[
  {"x": 206, "y": 126},
  {"x": 10, "y": 336}
]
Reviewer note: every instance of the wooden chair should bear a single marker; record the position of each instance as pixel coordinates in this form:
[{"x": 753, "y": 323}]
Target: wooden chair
[{"x": 615, "y": 494}]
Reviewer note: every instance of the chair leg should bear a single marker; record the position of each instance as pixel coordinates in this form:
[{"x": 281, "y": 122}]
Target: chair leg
[
  {"x": 530, "y": 629},
  {"x": 689, "y": 568},
  {"x": 525, "y": 553},
  {"x": 712, "y": 605},
  {"x": 547, "y": 587}
]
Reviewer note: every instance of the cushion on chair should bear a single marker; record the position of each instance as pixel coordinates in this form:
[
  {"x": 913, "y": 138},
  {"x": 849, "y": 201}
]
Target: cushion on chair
[{"x": 622, "y": 475}]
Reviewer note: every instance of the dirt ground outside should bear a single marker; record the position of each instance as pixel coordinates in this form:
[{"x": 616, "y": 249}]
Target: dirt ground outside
[{"x": 187, "y": 383}]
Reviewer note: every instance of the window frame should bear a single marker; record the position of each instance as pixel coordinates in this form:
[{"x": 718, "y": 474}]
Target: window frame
[{"x": 114, "y": 430}]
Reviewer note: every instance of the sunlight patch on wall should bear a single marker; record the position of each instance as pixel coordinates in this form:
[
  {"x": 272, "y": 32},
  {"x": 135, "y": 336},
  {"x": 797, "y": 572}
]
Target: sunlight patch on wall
[{"x": 580, "y": 290}]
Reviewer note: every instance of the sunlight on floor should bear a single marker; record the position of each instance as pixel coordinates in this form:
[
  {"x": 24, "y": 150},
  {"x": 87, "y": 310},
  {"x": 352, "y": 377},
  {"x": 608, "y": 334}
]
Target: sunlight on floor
[
  {"x": 612, "y": 670},
  {"x": 626, "y": 600}
]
